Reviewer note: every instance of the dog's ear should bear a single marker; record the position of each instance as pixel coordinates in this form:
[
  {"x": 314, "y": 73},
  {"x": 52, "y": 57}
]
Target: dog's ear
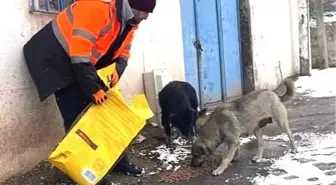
[{"x": 202, "y": 112}]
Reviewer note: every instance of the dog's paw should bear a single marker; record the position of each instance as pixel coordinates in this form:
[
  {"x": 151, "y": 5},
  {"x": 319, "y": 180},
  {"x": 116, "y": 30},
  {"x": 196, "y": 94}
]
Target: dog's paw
[
  {"x": 235, "y": 159},
  {"x": 256, "y": 159},
  {"x": 218, "y": 171},
  {"x": 294, "y": 150},
  {"x": 169, "y": 143}
]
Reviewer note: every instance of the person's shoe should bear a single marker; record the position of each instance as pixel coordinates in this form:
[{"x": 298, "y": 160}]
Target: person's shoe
[{"x": 126, "y": 167}]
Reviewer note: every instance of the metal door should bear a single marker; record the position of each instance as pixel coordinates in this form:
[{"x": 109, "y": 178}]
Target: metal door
[{"x": 211, "y": 48}]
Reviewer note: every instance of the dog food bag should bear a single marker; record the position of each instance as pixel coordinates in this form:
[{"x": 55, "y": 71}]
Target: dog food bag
[{"x": 99, "y": 137}]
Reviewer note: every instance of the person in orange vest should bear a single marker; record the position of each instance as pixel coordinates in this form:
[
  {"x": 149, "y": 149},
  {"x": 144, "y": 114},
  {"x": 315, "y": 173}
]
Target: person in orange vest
[{"x": 64, "y": 56}]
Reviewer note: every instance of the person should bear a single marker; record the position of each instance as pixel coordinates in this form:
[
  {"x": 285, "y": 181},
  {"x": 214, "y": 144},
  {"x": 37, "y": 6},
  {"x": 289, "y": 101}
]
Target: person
[{"x": 64, "y": 56}]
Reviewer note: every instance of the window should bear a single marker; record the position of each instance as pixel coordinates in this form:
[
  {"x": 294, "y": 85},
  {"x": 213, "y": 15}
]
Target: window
[{"x": 49, "y": 6}]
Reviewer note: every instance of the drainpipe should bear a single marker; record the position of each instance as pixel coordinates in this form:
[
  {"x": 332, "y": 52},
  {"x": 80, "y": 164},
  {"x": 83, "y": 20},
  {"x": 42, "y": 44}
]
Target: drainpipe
[
  {"x": 321, "y": 35},
  {"x": 304, "y": 38}
]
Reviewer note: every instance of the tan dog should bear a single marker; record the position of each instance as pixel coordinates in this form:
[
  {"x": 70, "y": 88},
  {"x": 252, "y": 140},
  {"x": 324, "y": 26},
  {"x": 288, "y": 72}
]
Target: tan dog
[{"x": 242, "y": 117}]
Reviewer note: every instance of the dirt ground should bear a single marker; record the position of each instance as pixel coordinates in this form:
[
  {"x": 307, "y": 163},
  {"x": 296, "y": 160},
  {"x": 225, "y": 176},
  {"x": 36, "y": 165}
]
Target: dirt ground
[{"x": 306, "y": 115}]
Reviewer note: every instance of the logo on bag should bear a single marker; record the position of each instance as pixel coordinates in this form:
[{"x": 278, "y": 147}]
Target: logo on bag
[{"x": 81, "y": 134}]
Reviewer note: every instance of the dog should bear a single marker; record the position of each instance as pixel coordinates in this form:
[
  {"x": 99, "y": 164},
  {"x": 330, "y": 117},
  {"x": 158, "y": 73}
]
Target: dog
[
  {"x": 247, "y": 115},
  {"x": 179, "y": 108}
]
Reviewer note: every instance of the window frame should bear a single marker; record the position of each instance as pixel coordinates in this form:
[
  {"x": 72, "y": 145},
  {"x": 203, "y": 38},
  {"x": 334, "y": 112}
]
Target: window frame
[{"x": 35, "y": 7}]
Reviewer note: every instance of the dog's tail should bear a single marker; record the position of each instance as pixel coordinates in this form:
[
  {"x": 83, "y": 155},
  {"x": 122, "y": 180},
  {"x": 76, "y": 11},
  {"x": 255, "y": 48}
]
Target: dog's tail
[{"x": 289, "y": 94}]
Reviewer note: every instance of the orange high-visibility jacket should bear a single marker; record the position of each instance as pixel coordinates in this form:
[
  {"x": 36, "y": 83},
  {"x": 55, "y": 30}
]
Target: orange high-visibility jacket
[{"x": 87, "y": 29}]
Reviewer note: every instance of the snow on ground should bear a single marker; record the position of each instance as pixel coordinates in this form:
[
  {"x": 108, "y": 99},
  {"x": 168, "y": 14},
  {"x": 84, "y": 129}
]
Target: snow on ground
[
  {"x": 245, "y": 140},
  {"x": 314, "y": 164},
  {"x": 320, "y": 84},
  {"x": 171, "y": 158}
]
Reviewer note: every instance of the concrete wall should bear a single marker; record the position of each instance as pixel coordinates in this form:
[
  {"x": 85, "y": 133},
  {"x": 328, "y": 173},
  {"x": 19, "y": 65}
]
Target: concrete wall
[
  {"x": 158, "y": 45},
  {"x": 30, "y": 129},
  {"x": 275, "y": 37}
]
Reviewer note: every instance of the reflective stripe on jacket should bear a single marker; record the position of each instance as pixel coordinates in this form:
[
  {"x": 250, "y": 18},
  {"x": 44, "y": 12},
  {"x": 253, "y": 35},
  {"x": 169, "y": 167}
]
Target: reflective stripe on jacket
[{"x": 87, "y": 28}]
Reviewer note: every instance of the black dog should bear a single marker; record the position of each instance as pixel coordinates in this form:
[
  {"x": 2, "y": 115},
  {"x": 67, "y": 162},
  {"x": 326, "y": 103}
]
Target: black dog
[{"x": 179, "y": 103}]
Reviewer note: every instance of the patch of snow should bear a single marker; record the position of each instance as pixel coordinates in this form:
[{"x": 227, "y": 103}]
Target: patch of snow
[
  {"x": 112, "y": 183},
  {"x": 320, "y": 84},
  {"x": 245, "y": 140},
  {"x": 181, "y": 142},
  {"x": 314, "y": 164},
  {"x": 140, "y": 138},
  {"x": 153, "y": 173},
  {"x": 154, "y": 124},
  {"x": 176, "y": 168},
  {"x": 171, "y": 157},
  {"x": 142, "y": 153},
  {"x": 283, "y": 136}
]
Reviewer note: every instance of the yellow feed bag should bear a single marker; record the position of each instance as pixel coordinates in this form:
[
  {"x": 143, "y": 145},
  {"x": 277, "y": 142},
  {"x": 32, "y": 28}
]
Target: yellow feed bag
[{"x": 100, "y": 136}]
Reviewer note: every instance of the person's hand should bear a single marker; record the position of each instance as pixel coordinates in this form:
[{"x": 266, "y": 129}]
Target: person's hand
[
  {"x": 113, "y": 80},
  {"x": 99, "y": 97}
]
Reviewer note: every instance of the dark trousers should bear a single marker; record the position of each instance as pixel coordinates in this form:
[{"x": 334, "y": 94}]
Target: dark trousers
[{"x": 71, "y": 102}]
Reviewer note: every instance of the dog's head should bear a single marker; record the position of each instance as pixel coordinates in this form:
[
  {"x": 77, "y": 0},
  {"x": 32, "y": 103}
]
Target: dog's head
[
  {"x": 200, "y": 150},
  {"x": 202, "y": 112},
  {"x": 183, "y": 122}
]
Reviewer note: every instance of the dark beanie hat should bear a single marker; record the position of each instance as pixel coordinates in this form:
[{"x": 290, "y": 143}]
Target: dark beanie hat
[{"x": 143, "y": 5}]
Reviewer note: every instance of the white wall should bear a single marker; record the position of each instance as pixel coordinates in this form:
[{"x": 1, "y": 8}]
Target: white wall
[
  {"x": 30, "y": 129},
  {"x": 158, "y": 44},
  {"x": 275, "y": 37}
]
